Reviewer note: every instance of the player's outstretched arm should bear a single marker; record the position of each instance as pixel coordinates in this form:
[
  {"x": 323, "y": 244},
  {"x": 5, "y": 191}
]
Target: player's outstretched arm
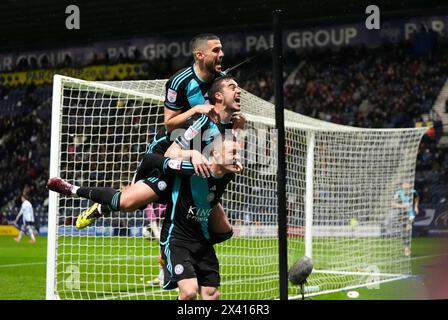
[
  {"x": 417, "y": 202},
  {"x": 197, "y": 159},
  {"x": 177, "y": 166},
  {"x": 168, "y": 165},
  {"x": 18, "y": 216},
  {"x": 175, "y": 119}
]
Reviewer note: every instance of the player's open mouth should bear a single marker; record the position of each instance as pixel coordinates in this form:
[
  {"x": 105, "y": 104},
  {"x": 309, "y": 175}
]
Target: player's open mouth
[{"x": 238, "y": 100}]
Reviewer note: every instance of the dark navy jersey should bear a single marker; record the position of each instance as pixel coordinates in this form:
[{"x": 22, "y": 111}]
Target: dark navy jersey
[
  {"x": 193, "y": 197},
  {"x": 160, "y": 143},
  {"x": 189, "y": 208},
  {"x": 197, "y": 133},
  {"x": 185, "y": 90},
  {"x": 195, "y": 124}
]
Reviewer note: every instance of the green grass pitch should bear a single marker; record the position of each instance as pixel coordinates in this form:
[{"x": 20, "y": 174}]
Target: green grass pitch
[{"x": 23, "y": 270}]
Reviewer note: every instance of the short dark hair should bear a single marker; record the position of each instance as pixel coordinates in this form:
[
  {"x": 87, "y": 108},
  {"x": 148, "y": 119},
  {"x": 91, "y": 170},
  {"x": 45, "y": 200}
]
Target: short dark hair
[
  {"x": 199, "y": 40},
  {"x": 217, "y": 86}
]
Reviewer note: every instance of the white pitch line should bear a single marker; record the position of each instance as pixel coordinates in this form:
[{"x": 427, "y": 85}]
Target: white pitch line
[
  {"x": 251, "y": 279},
  {"x": 144, "y": 258},
  {"x": 21, "y": 264},
  {"x": 166, "y": 291},
  {"x": 144, "y": 293},
  {"x": 429, "y": 256}
]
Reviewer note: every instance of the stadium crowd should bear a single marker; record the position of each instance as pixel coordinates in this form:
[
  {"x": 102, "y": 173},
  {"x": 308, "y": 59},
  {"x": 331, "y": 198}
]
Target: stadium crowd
[{"x": 385, "y": 87}]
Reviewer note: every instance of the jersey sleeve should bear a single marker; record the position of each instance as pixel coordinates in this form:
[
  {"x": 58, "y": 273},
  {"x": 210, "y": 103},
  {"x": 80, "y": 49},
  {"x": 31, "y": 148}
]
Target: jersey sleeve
[
  {"x": 170, "y": 166},
  {"x": 225, "y": 126},
  {"x": 174, "y": 95},
  {"x": 415, "y": 193},
  {"x": 193, "y": 129},
  {"x": 22, "y": 208},
  {"x": 20, "y": 213},
  {"x": 228, "y": 177}
]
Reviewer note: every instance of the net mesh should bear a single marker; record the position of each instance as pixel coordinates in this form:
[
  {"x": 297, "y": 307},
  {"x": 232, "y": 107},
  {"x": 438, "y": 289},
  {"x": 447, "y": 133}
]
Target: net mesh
[{"x": 355, "y": 236}]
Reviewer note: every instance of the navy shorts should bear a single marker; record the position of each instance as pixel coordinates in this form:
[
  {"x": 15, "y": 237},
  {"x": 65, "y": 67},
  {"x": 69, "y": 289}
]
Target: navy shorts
[
  {"x": 183, "y": 260},
  {"x": 160, "y": 184}
]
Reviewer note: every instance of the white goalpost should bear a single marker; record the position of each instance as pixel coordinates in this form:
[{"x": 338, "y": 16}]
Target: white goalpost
[{"x": 341, "y": 183}]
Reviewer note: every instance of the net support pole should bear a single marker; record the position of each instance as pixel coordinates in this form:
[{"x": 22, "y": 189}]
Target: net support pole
[
  {"x": 281, "y": 169},
  {"x": 53, "y": 196},
  {"x": 309, "y": 194}
]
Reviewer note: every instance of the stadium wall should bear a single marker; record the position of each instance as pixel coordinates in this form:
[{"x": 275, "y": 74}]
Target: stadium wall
[
  {"x": 153, "y": 48},
  {"x": 8, "y": 231},
  {"x": 101, "y": 72},
  {"x": 433, "y": 221}
]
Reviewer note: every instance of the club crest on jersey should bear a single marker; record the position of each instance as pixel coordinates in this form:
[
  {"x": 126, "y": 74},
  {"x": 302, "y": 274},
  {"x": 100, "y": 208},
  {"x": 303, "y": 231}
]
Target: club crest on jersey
[
  {"x": 190, "y": 133},
  {"x": 171, "y": 95},
  {"x": 210, "y": 197},
  {"x": 161, "y": 185},
  {"x": 174, "y": 164},
  {"x": 178, "y": 269}
]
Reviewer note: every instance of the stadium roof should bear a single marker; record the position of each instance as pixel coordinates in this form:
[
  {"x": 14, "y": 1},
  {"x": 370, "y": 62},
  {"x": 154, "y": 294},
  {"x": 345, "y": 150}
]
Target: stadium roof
[{"x": 40, "y": 24}]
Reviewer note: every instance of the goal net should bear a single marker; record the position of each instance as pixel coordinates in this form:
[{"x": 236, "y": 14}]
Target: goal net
[{"x": 340, "y": 187}]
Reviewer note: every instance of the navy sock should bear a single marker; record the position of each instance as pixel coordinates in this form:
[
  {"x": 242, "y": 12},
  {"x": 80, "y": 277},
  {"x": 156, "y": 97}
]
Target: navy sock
[{"x": 104, "y": 196}]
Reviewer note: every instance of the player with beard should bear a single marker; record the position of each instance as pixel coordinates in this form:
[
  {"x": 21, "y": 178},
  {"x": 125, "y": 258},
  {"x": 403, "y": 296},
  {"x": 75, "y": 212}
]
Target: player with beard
[
  {"x": 185, "y": 96},
  {"x": 226, "y": 97}
]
